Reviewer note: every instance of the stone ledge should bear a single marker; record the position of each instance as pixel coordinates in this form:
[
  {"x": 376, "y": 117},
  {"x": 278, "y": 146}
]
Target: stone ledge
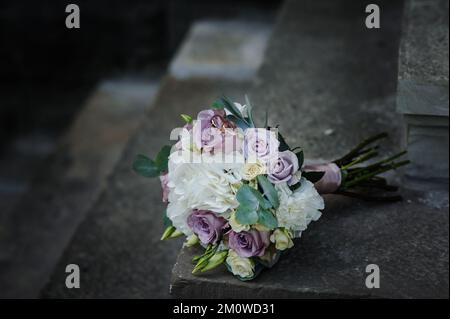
[{"x": 408, "y": 241}]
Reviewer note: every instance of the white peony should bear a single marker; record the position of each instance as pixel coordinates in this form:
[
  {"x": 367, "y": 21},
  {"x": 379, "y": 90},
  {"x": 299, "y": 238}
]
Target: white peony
[
  {"x": 297, "y": 209},
  {"x": 208, "y": 184}
]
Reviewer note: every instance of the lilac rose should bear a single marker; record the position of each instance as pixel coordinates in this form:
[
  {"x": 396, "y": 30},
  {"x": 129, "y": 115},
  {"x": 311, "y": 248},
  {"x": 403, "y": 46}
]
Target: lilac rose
[
  {"x": 206, "y": 225},
  {"x": 249, "y": 243},
  {"x": 260, "y": 145},
  {"x": 209, "y": 129},
  {"x": 284, "y": 168}
]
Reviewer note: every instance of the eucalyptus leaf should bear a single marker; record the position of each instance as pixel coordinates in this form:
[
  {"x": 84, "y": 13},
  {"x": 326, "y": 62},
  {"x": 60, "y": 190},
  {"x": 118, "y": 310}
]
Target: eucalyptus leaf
[
  {"x": 246, "y": 196},
  {"x": 267, "y": 219},
  {"x": 246, "y": 215},
  {"x": 312, "y": 176},
  {"x": 145, "y": 166},
  {"x": 269, "y": 191}
]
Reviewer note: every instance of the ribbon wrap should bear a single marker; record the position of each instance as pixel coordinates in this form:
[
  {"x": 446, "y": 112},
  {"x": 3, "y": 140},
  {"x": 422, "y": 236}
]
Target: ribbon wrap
[{"x": 330, "y": 181}]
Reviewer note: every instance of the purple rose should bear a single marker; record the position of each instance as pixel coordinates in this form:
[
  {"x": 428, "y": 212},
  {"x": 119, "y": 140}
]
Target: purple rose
[
  {"x": 249, "y": 243},
  {"x": 284, "y": 168},
  {"x": 209, "y": 129},
  {"x": 260, "y": 145},
  {"x": 206, "y": 225},
  {"x": 165, "y": 189}
]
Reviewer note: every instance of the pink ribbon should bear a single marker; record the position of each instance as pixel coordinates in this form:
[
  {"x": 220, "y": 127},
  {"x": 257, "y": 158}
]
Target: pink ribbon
[{"x": 331, "y": 181}]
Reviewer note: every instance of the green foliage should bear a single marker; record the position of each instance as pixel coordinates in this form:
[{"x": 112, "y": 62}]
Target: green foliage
[
  {"x": 187, "y": 118},
  {"x": 254, "y": 208},
  {"x": 269, "y": 191},
  {"x": 147, "y": 167}
]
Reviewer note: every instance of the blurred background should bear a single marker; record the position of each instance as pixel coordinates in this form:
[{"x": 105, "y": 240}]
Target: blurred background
[{"x": 47, "y": 71}]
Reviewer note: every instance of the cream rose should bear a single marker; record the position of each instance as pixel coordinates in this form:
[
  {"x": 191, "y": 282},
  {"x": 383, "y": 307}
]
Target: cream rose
[
  {"x": 240, "y": 266},
  {"x": 235, "y": 225},
  {"x": 251, "y": 170},
  {"x": 282, "y": 239}
]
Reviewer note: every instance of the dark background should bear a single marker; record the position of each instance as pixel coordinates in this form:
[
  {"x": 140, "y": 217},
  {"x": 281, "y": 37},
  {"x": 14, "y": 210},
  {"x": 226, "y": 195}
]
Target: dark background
[{"x": 47, "y": 70}]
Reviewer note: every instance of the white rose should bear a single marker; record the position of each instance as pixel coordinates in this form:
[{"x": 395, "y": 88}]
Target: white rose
[
  {"x": 251, "y": 170},
  {"x": 235, "y": 225},
  {"x": 240, "y": 266},
  {"x": 297, "y": 209},
  {"x": 282, "y": 239}
]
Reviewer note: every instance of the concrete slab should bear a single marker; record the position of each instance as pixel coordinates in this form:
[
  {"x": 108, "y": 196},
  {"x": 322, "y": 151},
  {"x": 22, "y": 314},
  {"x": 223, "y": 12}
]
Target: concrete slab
[{"x": 221, "y": 49}]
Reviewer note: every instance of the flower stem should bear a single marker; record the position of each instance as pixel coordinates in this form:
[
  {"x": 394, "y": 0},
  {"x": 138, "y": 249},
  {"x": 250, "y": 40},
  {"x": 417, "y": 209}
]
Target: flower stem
[{"x": 354, "y": 152}]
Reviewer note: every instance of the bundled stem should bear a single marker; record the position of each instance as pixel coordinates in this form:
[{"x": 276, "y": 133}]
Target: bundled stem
[{"x": 366, "y": 177}]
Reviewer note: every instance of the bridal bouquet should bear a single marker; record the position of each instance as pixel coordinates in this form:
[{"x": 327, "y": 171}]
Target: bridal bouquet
[{"x": 243, "y": 194}]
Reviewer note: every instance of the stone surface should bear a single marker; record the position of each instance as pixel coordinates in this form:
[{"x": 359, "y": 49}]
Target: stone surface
[
  {"x": 117, "y": 246},
  {"x": 408, "y": 241},
  {"x": 325, "y": 72},
  {"x": 35, "y": 232},
  {"x": 424, "y": 49},
  {"x": 423, "y": 89},
  {"x": 221, "y": 49}
]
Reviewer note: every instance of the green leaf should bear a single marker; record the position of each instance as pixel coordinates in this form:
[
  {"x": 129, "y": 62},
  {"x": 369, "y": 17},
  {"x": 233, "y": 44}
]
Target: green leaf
[
  {"x": 246, "y": 215},
  {"x": 145, "y": 166},
  {"x": 313, "y": 177},
  {"x": 187, "y": 118},
  {"x": 229, "y": 105},
  {"x": 218, "y": 104},
  {"x": 166, "y": 220},
  {"x": 246, "y": 196},
  {"x": 269, "y": 191},
  {"x": 301, "y": 158},
  {"x": 240, "y": 123},
  {"x": 249, "y": 111},
  {"x": 283, "y": 145},
  {"x": 267, "y": 219},
  {"x": 168, "y": 232},
  {"x": 162, "y": 159}
]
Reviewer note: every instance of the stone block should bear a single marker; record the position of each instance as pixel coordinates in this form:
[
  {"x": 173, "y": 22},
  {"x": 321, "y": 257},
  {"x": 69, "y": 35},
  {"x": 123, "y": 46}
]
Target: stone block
[
  {"x": 221, "y": 49},
  {"x": 423, "y": 90}
]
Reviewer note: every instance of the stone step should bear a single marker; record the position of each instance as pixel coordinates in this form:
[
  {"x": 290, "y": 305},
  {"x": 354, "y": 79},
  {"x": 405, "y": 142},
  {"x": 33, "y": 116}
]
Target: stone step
[
  {"x": 423, "y": 90},
  {"x": 323, "y": 72},
  {"x": 117, "y": 247},
  {"x": 35, "y": 231}
]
